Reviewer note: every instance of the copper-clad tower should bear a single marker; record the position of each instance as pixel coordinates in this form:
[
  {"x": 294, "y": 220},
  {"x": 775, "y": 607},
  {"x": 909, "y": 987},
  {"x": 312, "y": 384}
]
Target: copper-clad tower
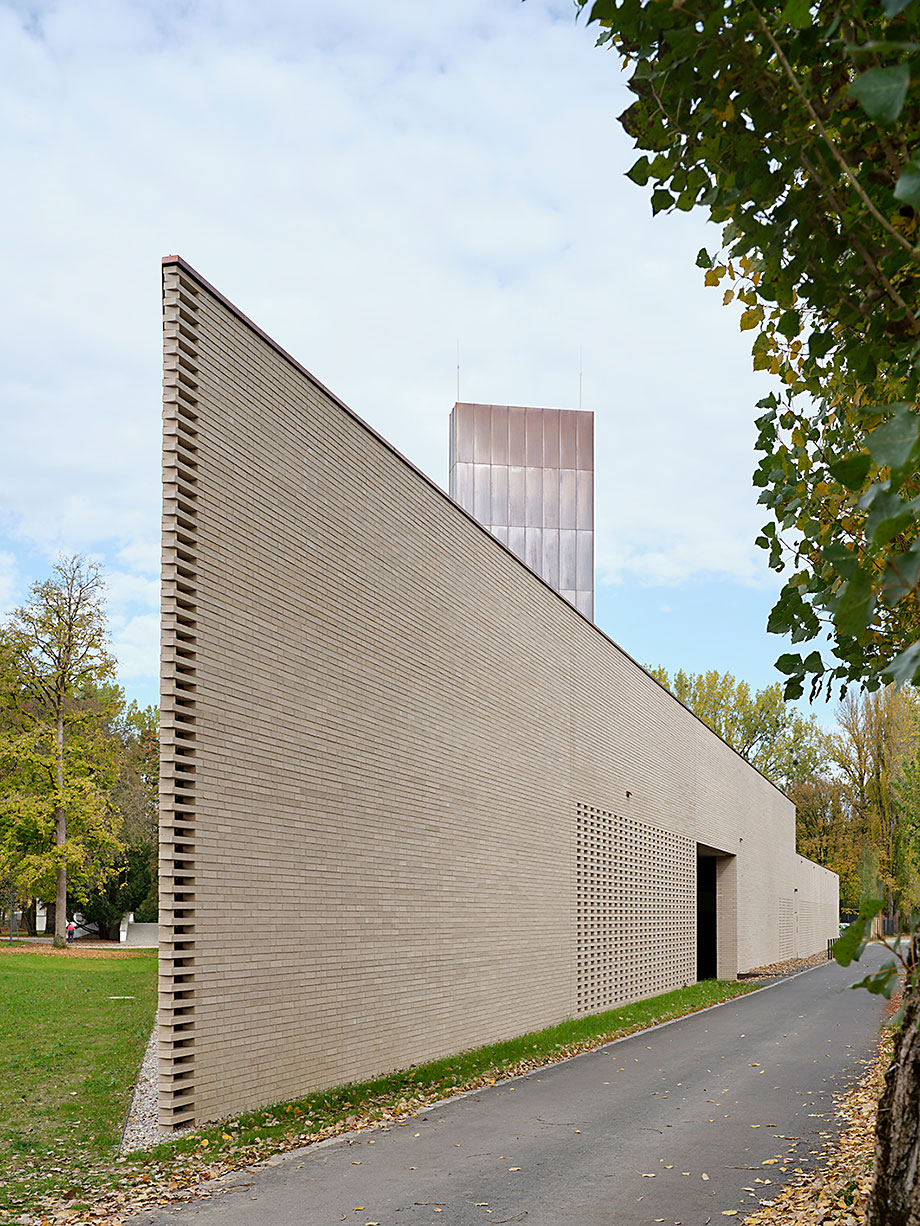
[{"x": 528, "y": 476}]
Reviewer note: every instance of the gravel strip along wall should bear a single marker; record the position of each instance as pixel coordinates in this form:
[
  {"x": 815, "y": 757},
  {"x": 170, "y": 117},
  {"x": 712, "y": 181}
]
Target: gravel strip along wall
[{"x": 412, "y": 800}]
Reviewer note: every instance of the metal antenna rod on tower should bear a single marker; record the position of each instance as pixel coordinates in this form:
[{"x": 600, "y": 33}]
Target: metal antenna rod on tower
[{"x": 458, "y": 371}]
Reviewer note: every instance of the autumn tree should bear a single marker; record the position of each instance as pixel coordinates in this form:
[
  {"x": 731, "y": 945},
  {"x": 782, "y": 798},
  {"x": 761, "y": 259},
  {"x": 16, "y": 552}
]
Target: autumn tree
[
  {"x": 136, "y": 791},
  {"x": 765, "y": 729},
  {"x": 135, "y": 796},
  {"x": 55, "y": 815},
  {"x": 878, "y": 739},
  {"x": 796, "y": 125}
]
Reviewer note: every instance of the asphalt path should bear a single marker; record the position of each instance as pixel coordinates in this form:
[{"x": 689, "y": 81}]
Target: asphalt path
[{"x": 681, "y": 1124}]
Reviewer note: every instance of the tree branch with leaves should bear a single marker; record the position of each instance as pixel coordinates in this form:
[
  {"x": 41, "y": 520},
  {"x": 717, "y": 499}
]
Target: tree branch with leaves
[{"x": 797, "y": 127}]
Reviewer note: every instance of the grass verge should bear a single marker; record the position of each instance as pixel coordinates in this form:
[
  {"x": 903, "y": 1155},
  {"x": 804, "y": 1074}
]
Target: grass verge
[
  {"x": 424, "y": 1083},
  {"x": 72, "y": 1034},
  {"x": 114, "y": 1189}
]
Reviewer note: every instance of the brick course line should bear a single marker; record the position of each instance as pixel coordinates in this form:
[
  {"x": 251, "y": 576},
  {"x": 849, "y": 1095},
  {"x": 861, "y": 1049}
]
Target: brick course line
[{"x": 411, "y": 800}]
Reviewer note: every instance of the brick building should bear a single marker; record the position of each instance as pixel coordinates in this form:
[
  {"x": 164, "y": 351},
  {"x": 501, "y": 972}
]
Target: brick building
[{"x": 471, "y": 811}]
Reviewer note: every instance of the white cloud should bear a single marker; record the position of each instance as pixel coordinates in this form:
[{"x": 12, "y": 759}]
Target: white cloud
[
  {"x": 136, "y": 644},
  {"x": 9, "y": 582},
  {"x": 142, "y": 554},
  {"x": 370, "y": 184},
  {"x": 125, "y": 591}
]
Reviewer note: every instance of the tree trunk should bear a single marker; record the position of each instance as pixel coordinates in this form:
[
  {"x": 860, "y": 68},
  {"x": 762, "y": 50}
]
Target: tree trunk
[
  {"x": 50, "y": 909},
  {"x": 895, "y": 1196},
  {"x": 60, "y": 837}
]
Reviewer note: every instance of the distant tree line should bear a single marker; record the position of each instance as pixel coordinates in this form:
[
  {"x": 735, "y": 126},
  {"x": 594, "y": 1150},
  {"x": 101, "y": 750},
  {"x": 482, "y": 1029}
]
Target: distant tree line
[
  {"x": 856, "y": 788},
  {"x": 78, "y": 767}
]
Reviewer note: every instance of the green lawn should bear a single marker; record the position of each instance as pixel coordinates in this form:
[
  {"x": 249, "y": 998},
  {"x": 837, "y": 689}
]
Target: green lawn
[
  {"x": 70, "y": 1049},
  {"x": 69, "y": 1053}
]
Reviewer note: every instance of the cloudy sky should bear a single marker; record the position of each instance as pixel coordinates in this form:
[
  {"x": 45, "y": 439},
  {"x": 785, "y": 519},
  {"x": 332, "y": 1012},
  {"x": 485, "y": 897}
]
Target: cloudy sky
[{"x": 373, "y": 184}]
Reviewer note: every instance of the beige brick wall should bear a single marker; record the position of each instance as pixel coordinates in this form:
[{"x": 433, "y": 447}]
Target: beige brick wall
[{"x": 379, "y": 732}]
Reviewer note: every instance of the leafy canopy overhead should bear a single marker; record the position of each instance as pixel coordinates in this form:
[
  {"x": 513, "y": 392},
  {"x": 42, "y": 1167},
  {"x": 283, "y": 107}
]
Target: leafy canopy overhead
[{"x": 797, "y": 125}]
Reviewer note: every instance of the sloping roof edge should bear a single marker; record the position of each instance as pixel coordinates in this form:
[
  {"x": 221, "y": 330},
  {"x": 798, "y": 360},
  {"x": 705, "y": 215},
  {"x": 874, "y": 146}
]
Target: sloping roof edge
[{"x": 187, "y": 268}]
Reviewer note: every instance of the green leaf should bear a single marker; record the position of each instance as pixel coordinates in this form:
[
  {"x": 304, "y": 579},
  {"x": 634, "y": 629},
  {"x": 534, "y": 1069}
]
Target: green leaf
[
  {"x": 881, "y": 91},
  {"x": 877, "y": 490},
  {"x": 851, "y": 472},
  {"x": 907, "y": 187},
  {"x": 865, "y": 364},
  {"x": 661, "y": 200},
  {"x": 640, "y": 171},
  {"x": 851, "y": 941},
  {"x": 603, "y": 11},
  {"x": 844, "y": 561},
  {"x": 854, "y": 607},
  {"x": 789, "y": 663},
  {"x": 905, "y": 666},
  {"x": 703, "y": 258},
  {"x": 893, "y": 442},
  {"x": 786, "y": 612},
  {"x": 797, "y": 13},
  {"x": 881, "y": 982},
  {"x": 889, "y": 515},
  {"x": 789, "y": 325},
  {"x": 813, "y": 662},
  {"x": 821, "y": 343},
  {"x": 902, "y": 575}
]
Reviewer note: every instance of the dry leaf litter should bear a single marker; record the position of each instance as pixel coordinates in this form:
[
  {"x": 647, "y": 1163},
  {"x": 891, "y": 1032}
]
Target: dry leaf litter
[{"x": 835, "y": 1193}]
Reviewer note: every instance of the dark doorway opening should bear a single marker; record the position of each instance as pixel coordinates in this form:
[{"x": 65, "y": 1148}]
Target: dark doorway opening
[{"x": 706, "y": 927}]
